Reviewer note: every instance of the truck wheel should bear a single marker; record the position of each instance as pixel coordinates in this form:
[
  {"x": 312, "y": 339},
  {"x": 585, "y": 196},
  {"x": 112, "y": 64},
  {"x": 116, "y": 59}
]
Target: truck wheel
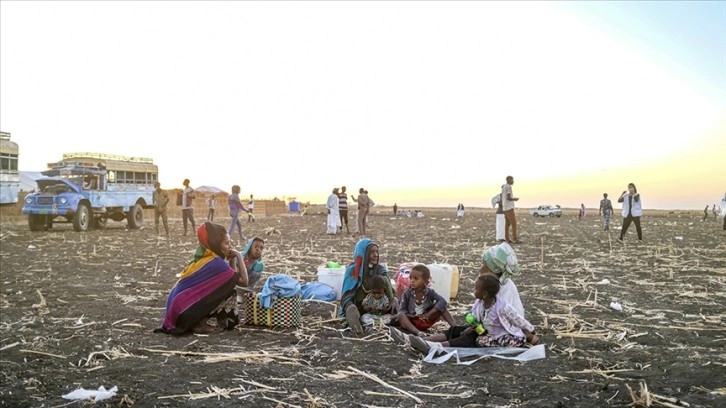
[
  {"x": 82, "y": 219},
  {"x": 135, "y": 217},
  {"x": 552, "y": 215},
  {"x": 36, "y": 222}
]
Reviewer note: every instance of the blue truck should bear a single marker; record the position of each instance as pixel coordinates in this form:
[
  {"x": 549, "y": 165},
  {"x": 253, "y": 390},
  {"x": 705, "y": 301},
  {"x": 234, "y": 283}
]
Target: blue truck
[{"x": 89, "y": 193}]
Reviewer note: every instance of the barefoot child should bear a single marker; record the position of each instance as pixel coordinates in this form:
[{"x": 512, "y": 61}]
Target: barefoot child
[
  {"x": 421, "y": 306},
  {"x": 504, "y": 326},
  {"x": 376, "y": 305}
]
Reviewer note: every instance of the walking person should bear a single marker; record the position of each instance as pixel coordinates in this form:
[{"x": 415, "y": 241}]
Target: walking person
[
  {"x": 251, "y": 209},
  {"x": 508, "y": 200},
  {"x": 343, "y": 209},
  {"x": 705, "y": 213},
  {"x": 395, "y": 209},
  {"x": 212, "y": 204},
  {"x": 606, "y": 208},
  {"x": 333, "y": 221},
  {"x": 235, "y": 206},
  {"x": 187, "y": 208},
  {"x": 581, "y": 216},
  {"x": 160, "y": 199},
  {"x": 632, "y": 210}
]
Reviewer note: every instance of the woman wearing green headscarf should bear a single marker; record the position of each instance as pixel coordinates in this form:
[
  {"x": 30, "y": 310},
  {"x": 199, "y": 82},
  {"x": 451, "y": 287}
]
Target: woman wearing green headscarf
[{"x": 501, "y": 261}]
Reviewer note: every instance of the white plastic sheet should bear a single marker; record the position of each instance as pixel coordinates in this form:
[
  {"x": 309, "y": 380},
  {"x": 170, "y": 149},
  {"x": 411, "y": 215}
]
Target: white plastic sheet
[
  {"x": 521, "y": 354},
  {"x": 97, "y": 395}
]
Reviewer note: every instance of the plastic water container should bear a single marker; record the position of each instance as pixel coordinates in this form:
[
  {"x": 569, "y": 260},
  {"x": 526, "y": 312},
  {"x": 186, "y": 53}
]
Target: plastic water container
[
  {"x": 441, "y": 278},
  {"x": 454, "y": 282},
  {"x": 332, "y": 277}
]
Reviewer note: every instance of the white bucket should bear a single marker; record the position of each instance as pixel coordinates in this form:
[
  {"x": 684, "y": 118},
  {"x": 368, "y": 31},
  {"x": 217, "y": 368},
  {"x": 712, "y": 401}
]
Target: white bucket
[
  {"x": 441, "y": 276},
  {"x": 332, "y": 277}
]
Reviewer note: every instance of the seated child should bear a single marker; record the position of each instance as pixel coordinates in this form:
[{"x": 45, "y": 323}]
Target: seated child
[
  {"x": 502, "y": 261},
  {"x": 421, "y": 306},
  {"x": 504, "y": 326},
  {"x": 376, "y": 305}
]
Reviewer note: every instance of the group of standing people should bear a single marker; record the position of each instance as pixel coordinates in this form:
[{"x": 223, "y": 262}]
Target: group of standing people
[
  {"x": 337, "y": 209},
  {"x": 715, "y": 212},
  {"x": 160, "y": 199},
  {"x": 632, "y": 210}
]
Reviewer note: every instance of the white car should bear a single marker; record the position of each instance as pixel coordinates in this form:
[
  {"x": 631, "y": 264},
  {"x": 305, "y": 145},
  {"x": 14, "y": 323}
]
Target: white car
[{"x": 546, "y": 211}]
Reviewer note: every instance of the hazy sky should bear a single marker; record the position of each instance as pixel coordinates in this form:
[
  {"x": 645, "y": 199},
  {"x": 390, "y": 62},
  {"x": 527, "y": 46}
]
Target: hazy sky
[{"x": 422, "y": 103}]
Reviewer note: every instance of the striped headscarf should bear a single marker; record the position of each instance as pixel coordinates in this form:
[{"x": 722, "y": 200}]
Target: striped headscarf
[
  {"x": 211, "y": 237},
  {"x": 502, "y": 260}
]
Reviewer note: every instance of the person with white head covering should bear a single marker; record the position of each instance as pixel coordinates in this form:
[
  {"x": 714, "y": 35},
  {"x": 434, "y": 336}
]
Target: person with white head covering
[
  {"x": 502, "y": 262},
  {"x": 333, "y": 221}
]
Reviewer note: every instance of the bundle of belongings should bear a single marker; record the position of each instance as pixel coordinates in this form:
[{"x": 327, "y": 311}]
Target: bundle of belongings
[{"x": 278, "y": 305}]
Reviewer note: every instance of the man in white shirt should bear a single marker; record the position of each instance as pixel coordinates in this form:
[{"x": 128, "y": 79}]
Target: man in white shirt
[
  {"x": 187, "y": 208},
  {"x": 333, "y": 208},
  {"x": 250, "y": 209},
  {"x": 508, "y": 200}
]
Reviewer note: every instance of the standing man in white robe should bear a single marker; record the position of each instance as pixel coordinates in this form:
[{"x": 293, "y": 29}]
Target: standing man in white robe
[{"x": 333, "y": 212}]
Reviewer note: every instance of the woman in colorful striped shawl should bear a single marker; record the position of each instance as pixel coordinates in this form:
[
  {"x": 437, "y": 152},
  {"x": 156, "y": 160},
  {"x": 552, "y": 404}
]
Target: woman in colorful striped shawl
[
  {"x": 206, "y": 287},
  {"x": 356, "y": 283}
]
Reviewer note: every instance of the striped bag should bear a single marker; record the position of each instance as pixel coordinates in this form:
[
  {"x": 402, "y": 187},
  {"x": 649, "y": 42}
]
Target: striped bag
[{"x": 285, "y": 312}]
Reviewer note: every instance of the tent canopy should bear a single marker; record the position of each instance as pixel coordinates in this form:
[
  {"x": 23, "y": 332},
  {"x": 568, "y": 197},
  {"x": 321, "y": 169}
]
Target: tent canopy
[{"x": 209, "y": 189}]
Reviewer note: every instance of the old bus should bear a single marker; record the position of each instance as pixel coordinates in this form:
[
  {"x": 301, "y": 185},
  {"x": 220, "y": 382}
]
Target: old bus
[{"x": 9, "y": 174}]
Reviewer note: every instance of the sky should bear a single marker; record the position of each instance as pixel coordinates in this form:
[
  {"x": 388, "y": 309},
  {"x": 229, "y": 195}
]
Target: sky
[{"x": 421, "y": 103}]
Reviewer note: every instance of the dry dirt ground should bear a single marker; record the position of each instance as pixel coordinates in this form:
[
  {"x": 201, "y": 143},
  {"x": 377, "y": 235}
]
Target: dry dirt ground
[{"x": 78, "y": 311}]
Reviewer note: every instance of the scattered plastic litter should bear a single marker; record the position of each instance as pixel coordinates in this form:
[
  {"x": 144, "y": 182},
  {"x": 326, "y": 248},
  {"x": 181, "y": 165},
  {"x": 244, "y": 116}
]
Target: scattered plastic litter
[
  {"x": 679, "y": 238},
  {"x": 31, "y": 246},
  {"x": 616, "y": 306},
  {"x": 445, "y": 353},
  {"x": 604, "y": 282},
  {"x": 99, "y": 395}
]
